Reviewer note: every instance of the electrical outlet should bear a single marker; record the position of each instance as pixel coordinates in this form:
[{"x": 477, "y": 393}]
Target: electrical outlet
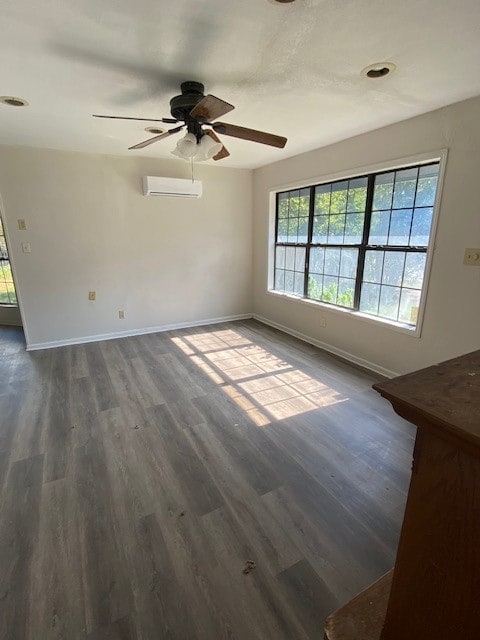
[
  {"x": 121, "y": 314},
  {"x": 26, "y": 248},
  {"x": 472, "y": 257},
  {"x": 92, "y": 295},
  {"x": 22, "y": 225},
  {"x": 322, "y": 323}
]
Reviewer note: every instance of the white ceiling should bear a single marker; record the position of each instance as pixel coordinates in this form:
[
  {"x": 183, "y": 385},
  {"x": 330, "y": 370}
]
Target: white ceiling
[{"x": 290, "y": 69}]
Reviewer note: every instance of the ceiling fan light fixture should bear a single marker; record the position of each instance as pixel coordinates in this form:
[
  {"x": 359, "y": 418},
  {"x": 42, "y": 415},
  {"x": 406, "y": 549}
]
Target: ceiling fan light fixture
[
  {"x": 378, "y": 69},
  {"x": 187, "y": 146},
  {"x": 12, "y": 101},
  {"x": 207, "y": 148}
]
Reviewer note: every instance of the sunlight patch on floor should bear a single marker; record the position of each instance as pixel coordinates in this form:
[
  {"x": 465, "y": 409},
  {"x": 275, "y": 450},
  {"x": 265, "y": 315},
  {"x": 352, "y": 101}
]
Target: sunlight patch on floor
[{"x": 264, "y": 386}]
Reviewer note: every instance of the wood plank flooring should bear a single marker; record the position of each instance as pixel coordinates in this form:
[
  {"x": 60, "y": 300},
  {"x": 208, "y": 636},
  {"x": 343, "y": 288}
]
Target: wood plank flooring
[{"x": 137, "y": 476}]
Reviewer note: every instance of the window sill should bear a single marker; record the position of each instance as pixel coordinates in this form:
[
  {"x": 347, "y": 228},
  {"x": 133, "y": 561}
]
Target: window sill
[
  {"x": 8, "y": 305},
  {"x": 414, "y": 332}
]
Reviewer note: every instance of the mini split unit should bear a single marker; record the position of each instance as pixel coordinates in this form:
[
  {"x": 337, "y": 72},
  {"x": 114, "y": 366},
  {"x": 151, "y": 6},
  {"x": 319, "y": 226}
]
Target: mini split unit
[{"x": 173, "y": 187}]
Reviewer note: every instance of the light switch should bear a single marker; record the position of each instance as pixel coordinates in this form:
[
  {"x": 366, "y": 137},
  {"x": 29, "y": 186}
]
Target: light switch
[
  {"x": 22, "y": 224},
  {"x": 26, "y": 248},
  {"x": 121, "y": 314},
  {"x": 92, "y": 295}
]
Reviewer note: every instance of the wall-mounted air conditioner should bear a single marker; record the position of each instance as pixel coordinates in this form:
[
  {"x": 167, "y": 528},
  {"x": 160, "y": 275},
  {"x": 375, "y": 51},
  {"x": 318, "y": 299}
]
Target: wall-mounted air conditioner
[{"x": 174, "y": 187}]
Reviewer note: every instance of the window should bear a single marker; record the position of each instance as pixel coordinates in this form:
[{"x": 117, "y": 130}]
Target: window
[
  {"x": 7, "y": 288},
  {"x": 359, "y": 244}
]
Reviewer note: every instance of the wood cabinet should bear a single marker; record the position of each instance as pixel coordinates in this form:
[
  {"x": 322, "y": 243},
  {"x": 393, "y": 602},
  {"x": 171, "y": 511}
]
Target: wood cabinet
[{"x": 435, "y": 586}]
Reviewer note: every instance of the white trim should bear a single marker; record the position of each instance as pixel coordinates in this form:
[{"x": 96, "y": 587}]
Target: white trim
[
  {"x": 432, "y": 241},
  {"x": 439, "y": 155},
  {"x": 420, "y": 158},
  {"x": 35, "y": 346},
  {"x": 349, "y": 357},
  {"x": 330, "y": 308}
]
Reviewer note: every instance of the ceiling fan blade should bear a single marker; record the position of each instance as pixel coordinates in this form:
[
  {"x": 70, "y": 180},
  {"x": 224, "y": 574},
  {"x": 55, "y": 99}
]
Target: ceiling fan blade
[
  {"x": 249, "y": 134},
  {"x": 168, "y": 120},
  {"x": 210, "y": 108},
  {"x": 145, "y": 143},
  {"x": 223, "y": 153}
]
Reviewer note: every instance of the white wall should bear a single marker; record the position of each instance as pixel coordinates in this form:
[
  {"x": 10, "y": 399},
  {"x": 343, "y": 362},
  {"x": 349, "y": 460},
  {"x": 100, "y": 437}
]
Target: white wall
[
  {"x": 452, "y": 317},
  {"x": 163, "y": 260}
]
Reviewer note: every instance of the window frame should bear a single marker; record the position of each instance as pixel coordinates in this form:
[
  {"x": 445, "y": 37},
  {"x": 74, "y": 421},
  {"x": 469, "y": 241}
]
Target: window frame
[
  {"x": 368, "y": 172},
  {"x": 8, "y": 305}
]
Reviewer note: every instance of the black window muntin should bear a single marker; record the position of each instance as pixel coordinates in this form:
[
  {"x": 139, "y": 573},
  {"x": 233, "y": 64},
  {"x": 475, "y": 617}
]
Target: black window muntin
[{"x": 364, "y": 245}]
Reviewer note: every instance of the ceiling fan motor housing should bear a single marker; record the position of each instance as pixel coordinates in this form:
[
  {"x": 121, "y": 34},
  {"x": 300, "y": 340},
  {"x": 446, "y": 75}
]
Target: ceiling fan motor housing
[{"x": 180, "y": 106}]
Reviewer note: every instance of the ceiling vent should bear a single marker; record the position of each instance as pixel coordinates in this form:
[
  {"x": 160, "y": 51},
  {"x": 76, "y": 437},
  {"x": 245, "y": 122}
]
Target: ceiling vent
[{"x": 171, "y": 187}]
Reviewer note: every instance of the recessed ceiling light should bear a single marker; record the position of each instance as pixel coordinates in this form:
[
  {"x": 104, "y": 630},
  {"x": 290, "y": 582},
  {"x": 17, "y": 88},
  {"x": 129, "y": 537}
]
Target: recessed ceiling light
[
  {"x": 155, "y": 130},
  {"x": 378, "y": 70},
  {"x": 12, "y": 101},
  {"x": 282, "y": 1}
]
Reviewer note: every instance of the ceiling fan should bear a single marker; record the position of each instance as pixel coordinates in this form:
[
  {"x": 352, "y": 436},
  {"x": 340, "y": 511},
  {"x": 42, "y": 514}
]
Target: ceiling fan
[{"x": 197, "y": 112}]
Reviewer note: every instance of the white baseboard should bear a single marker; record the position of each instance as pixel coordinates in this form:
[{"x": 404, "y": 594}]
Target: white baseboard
[
  {"x": 371, "y": 366},
  {"x": 35, "y": 346}
]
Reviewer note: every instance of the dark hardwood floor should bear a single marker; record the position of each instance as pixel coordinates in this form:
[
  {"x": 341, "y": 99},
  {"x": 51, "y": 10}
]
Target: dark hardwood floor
[{"x": 138, "y": 476}]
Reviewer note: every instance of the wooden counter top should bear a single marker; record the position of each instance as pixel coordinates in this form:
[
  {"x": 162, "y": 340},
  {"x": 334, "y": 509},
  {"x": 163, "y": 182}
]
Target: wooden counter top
[
  {"x": 444, "y": 398},
  {"x": 435, "y": 588},
  {"x": 362, "y": 618}
]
